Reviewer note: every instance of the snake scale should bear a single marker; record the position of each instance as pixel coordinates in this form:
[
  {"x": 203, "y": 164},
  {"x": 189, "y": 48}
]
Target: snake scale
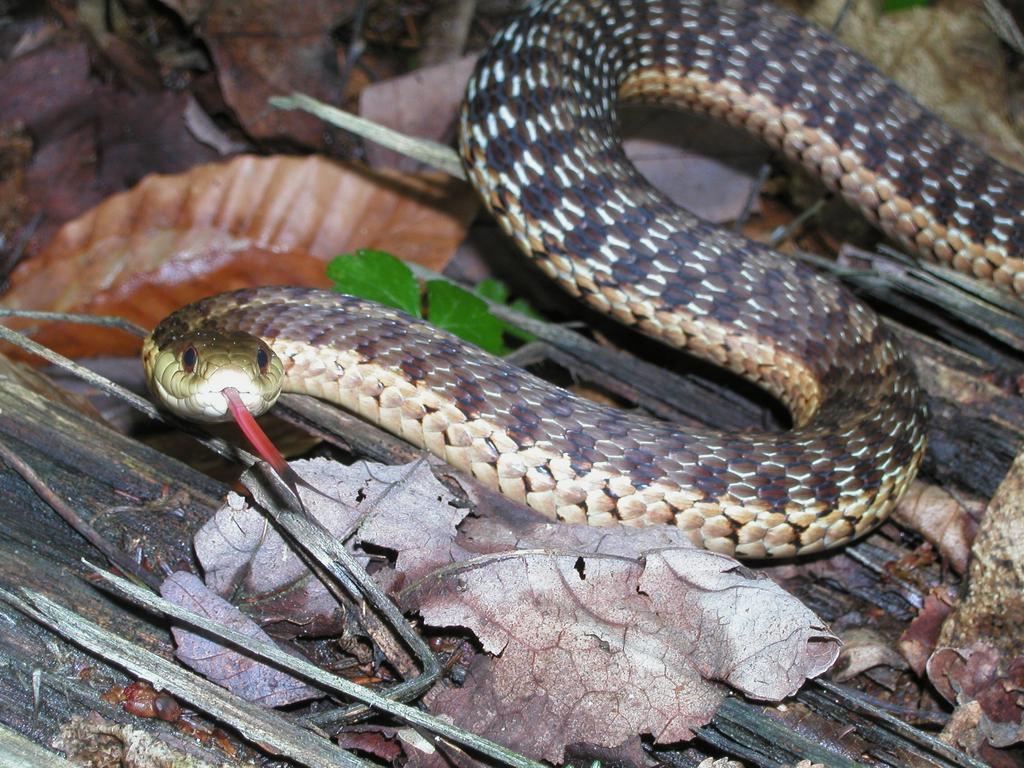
[{"x": 538, "y": 140}]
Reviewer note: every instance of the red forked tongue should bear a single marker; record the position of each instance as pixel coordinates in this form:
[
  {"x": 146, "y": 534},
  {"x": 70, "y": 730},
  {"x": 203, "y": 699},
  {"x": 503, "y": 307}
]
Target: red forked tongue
[{"x": 255, "y": 434}]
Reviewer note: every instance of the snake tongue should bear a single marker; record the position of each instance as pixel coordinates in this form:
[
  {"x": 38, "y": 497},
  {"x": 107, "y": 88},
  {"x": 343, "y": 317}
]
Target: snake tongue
[
  {"x": 255, "y": 435},
  {"x": 265, "y": 448}
]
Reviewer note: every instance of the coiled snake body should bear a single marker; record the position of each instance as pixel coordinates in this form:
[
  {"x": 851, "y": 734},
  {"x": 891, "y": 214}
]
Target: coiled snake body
[{"x": 538, "y": 141}]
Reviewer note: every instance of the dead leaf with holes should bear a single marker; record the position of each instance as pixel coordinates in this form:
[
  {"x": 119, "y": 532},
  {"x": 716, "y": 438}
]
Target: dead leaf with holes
[
  {"x": 598, "y": 648},
  {"x": 401, "y": 508},
  {"x": 592, "y": 635}
]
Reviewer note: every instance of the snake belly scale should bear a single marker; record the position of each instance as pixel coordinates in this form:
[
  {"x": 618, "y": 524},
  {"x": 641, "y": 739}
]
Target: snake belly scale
[{"x": 538, "y": 141}]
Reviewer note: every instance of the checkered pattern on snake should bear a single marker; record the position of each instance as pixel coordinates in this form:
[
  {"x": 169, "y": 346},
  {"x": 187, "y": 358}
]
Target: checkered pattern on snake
[{"x": 538, "y": 140}]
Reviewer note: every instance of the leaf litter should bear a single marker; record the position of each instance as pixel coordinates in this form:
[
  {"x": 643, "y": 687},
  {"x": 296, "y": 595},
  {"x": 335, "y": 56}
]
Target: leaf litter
[
  {"x": 588, "y": 635},
  {"x": 237, "y": 672}
]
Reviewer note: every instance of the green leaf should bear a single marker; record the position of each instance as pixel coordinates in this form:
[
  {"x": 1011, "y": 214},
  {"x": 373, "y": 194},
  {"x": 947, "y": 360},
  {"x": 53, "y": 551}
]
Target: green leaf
[
  {"x": 377, "y": 276},
  {"x": 492, "y": 289},
  {"x": 889, "y": 6},
  {"x": 465, "y": 315},
  {"x": 495, "y": 290},
  {"x": 522, "y": 306}
]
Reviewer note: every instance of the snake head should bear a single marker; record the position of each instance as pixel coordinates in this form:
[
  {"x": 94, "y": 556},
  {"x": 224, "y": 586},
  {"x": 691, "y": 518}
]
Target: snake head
[{"x": 190, "y": 373}]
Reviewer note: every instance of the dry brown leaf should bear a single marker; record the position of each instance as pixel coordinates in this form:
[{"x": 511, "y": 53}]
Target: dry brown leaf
[
  {"x": 601, "y": 634},
  {"x": 937, "y": 516},
  {"x": 249, "y": 221},
  {"x": 864, "y": 649},
  {"x": 922, "y": 634},
  {"x": 404, "y": 507},
  {"x": 239, "y": 673},
  {"x": 262, "y": 49},
  {"x": 90, "y": 137},
  {"x": 599, "y": 648},
  {"x": 978, "y": 677}
]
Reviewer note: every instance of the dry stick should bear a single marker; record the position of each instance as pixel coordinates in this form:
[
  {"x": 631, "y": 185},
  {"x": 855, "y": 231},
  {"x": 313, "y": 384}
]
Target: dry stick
[
  {"x": 783, "y": 233},
  {"x": 215, "y": 444},
  {"x": 430, "y": 665},
  {"x": 840, "y": 18},
  {"x": 256, "y": 723},
  {"x": 940, "y": 275},
  {"x": 752, "y": 195},
  {"x": 438, "y": 155},
  {"x": 105, "y": 321},
  {"x": 268, "y": 652},
  {"x": 1002, "y": 21},
  {"x": 858, "y": 700},
  {"x": 356, "y": 46},
  {"x": 328, "y": 553},
  {"x": 978, "y": 306}
]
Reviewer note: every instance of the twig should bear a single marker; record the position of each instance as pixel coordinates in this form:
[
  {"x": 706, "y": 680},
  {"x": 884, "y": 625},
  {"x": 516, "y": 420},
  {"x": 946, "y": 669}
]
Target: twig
[
  {"x": 256, "y": 723},
  {"x": 783, "y": 233},
  {"x": 1002, "y": 21},
  {"x": 755, "y": 191},
  {"x": 14, "y": 255},
  {"x": 909, "y": 733},
  {"x": 356, "y": 46},
  {"x": 840, "y": 18},
  {"x": 104, "y": 321},
  {"x": 859, "y": 699},
  {"x": 297, "y": 666},
  {"x": 741, "y": 728},
  {"x": 330, "y": 555},
  {"x": 430, "y": 152},
  {"x": 62, "y": 508}
]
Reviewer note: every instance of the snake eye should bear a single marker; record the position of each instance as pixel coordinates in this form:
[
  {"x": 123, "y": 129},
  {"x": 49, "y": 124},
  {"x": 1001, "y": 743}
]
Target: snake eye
[
  {"x": 262, "y": 360},
  {"x": 189, "y": 358}
]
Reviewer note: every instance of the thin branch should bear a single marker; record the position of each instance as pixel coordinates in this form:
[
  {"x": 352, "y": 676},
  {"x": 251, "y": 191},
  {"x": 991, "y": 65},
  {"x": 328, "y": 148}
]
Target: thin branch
[
  {"x": 256, "y": 723},
  {"x": 294, "y": 665},
  {"x": 72, "y": 518},
  {"x": 104, "y": 321},
  {"x": 752, "y": 195},
  {"x": 430, "y": 152}
]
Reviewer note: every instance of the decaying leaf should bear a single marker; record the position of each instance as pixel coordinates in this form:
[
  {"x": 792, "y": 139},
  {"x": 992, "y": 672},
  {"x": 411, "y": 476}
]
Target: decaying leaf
[
  {"x": 403, "y": 509},
  {"x": 979, "y": 678},
  {"x": 937, "y": 516},
  {"x": 597, "y": 648},
  {"x": 249, "y": 221},
  {"x": 90, "y": 137},
  {"x": 865, "y": 649},
  {"x": 260, "y": 51},
  {"x": 919, "y": 639},
  {"x": 237, "y": 672},
  {"x": 592, "y": 635}
]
